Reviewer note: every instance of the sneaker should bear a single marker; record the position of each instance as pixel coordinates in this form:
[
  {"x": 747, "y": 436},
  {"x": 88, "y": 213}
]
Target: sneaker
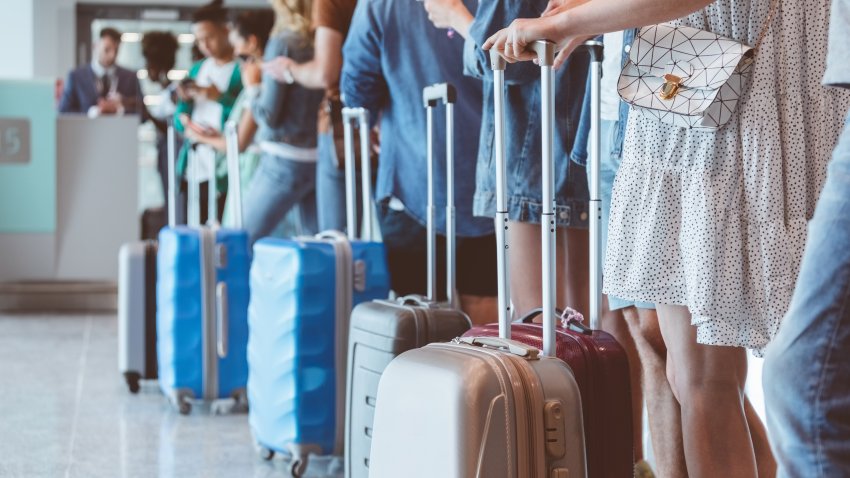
[{"x": 643, "y": 470}]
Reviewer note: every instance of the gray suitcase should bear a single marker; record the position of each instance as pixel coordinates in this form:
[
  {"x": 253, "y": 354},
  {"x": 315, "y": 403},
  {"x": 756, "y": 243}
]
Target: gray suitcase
[
  {"x": 383, "y": 329},
  {"x": 137, "y": 297},
  {"x": 487, "y": 407}
]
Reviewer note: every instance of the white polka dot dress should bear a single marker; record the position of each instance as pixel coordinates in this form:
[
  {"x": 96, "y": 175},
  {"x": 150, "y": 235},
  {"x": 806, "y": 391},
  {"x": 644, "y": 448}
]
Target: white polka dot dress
[{"x": 716, "y": 221}]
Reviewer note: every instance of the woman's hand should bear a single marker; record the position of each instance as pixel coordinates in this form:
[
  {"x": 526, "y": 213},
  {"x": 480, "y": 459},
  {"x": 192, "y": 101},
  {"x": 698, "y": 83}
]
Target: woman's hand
[
  {"x": 514, "y": 41},
  {"x": 280, "y": 69},
  {"x": 449, "y": 14}
]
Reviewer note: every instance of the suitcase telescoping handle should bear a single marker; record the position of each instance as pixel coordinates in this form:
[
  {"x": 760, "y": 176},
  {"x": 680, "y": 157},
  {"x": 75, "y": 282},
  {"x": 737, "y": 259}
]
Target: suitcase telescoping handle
[
  {"x": 431, "y": 96},
  {"x": 595, "y": 48},
  {"x": 171, "y": 183},
  {"x": 498, "y": 64},
  {"x": 234, "y": 172},
  {"x": 361, "y": 117},
  {"x": 193, "y": 203}
]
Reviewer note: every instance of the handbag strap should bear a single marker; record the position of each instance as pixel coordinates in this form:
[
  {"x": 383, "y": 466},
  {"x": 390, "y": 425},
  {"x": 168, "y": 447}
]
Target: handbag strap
[{"x": 770, "y": 14}]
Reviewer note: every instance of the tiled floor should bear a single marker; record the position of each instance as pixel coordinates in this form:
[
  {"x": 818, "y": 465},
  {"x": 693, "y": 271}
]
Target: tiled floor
[{"x": 65, "y": 412}]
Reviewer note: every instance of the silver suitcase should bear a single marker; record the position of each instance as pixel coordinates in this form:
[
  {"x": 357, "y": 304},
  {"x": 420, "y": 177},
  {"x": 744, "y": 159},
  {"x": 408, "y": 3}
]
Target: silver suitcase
[{"x": 487, "y": 407}]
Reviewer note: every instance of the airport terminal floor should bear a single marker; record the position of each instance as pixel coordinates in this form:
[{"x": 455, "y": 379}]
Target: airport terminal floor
[{"x": 67, "y": 413}]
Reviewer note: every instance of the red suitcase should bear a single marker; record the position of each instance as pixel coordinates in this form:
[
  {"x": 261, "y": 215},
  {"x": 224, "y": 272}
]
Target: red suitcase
[{"x": 598, "y": 361}]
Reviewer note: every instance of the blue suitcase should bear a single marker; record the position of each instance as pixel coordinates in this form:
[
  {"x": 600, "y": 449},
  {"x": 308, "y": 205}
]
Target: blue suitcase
[
  {"x": 302, "y": 294},
  {"x": 202, "y": 307}
]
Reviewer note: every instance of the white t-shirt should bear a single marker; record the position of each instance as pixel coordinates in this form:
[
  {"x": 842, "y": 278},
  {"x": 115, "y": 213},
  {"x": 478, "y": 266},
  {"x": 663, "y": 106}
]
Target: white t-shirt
[
  {"x": 611, "y": 67},
  {"x": 208, "y": 113}
]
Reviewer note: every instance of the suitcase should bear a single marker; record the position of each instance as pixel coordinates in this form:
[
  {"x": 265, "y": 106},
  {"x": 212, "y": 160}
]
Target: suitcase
[
  {"x": 599, "y": 363},
  {"x": 486, "y": 407},
  {"x": 302, "y": 294},
  {"x": 137, "y": 295},
  {"x": 202, "y": 305},
  {"x": 381, "y": 330}
]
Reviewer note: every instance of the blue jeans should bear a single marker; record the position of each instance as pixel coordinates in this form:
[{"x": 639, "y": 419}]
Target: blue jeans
[
  {"x": 807, "y": 369},
  {"x": 608, "y": 165},
  {"x": 277, "y": 186}
]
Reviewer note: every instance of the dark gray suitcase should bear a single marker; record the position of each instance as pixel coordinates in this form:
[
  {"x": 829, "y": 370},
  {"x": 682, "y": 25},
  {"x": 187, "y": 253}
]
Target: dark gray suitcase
[{"x": 382, "y": 329}]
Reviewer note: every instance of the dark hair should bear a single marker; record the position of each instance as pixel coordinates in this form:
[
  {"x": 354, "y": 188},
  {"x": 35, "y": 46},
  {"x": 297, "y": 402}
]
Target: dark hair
[
  {"x": 212, "y": 12},
  {"x": 111, "y": 33},
  {"x": 255, "y": 22},
  {"x": 160, "y": 49}
]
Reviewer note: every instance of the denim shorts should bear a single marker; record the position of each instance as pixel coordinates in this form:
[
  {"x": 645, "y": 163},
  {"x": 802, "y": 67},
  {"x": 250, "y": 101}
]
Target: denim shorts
[
  {"x": 525, "y": 192},
  {"x": 608, "y": 166}
]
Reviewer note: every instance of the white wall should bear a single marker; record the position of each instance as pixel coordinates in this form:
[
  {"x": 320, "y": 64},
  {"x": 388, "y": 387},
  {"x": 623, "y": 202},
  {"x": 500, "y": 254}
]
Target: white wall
[{"x": 46, "y": 31}]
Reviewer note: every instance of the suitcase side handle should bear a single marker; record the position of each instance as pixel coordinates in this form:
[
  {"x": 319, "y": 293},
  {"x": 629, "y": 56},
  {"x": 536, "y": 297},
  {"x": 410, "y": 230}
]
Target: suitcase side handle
[
  {"x": 222, "y": 319},
  {"x": 511, "y": 346}
]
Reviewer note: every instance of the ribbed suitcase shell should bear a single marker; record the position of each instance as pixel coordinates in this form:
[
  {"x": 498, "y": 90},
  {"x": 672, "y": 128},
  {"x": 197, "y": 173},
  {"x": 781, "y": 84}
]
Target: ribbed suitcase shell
[
  {"x": 380, "y": 331},
  {"x": 295, "y": 353},
  {"x": 461, "y": 411},
  {"x": 601, "y": 369},
  {"x": 180, "y": 318}
]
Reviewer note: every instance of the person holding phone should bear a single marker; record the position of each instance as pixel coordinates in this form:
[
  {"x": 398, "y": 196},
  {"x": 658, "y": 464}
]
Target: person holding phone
[{"x": 206, "y": 98}]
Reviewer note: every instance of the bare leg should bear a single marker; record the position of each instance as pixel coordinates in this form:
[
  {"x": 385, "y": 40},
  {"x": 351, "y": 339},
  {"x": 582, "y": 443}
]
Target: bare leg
[
  {"x": 709, "y": 385},
  {"x": 571, "y": 252},
  {"x": 481, "y": 310},
  {"x": 764, "y": 455},
  {"x": 665, "y": 422},
  {"x": 613, "y": 323}
]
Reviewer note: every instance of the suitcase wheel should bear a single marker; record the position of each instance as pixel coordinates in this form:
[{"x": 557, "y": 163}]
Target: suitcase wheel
[
  {"x": 184, "y": 406},
  {"x": 297, "y": 468},
  {"x": 240, "y": 397},
  {"x": 132, "y": 379},
  {"x": 265, "y": 453}
]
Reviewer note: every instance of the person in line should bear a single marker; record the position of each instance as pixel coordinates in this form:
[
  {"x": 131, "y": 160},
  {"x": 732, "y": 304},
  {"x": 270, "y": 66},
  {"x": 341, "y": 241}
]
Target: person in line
[
  {"x": 207, "y": 96},
  {"x": 523, "y": 153},
  {"x": 807, "y": 369},
  {"x": 331, "y": 20},
  {"x": 709, "y": 225},
  {"x": 159, "y": 48},
  {"x": 286, "y": 116},
  {"x": 391, "y": 54},
  {"x": 102, "y": 87}
]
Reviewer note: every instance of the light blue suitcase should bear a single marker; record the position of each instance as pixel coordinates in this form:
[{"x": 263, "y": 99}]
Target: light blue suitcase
[
  {"x": 302, "y": 294},
  {"x": 202, "y": 306}
]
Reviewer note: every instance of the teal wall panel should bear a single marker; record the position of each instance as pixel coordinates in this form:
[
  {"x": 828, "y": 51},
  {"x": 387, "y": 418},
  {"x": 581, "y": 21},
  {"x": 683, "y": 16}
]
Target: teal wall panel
[{"x": 28, "y": 190}]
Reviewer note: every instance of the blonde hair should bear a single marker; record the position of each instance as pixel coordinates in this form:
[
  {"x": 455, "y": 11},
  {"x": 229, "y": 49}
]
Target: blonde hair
[{"x": 294, "y": 16}]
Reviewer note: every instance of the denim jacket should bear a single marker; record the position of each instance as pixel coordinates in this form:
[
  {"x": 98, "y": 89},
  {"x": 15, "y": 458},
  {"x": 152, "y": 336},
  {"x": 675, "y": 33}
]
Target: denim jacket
[
  {"x": 579, "y": 153},
  {"x": 391, "y": 53},
  {"x": 287, "y": 113}
]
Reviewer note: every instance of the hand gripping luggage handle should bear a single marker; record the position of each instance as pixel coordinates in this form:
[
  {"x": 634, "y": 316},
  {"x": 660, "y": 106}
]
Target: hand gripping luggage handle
[
  {"x": 171, "y": 183},
  {"x": 511, "y": 346},
  {"x": 361, "y": 115},
  {"x": 595, "y": 48},
  {"x": 431, "y": 95},
  {"x": 498, "y": 64},
  {"x": 222, "y": 319},
  {"x": 234, "y": 172}
]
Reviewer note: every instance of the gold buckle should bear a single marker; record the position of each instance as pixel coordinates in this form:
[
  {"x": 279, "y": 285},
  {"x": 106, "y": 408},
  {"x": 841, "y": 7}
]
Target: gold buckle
[{"x": 670, "y": 87}]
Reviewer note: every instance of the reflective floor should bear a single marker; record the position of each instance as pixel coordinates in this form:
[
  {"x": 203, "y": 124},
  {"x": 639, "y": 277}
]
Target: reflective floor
[{"x": 65, "y": 412}]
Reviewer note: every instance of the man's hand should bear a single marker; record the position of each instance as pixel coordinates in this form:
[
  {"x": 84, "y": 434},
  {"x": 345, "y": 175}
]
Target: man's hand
[
  {"x": 557, "y": 6},
  {"x": 449, "y": 14},
  {"x": 280, "y": 69},
  {"x": 108, "y": 106}
]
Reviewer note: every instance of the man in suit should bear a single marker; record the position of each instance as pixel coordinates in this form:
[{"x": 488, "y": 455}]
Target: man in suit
[{"x": 102, "y": 87}]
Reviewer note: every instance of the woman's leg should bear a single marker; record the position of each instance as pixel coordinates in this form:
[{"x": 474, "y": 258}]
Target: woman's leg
[
  {"x": 708, "y": 381},
  {"x": 525, "y": 259},
  {"x": 277, "y": 185}
]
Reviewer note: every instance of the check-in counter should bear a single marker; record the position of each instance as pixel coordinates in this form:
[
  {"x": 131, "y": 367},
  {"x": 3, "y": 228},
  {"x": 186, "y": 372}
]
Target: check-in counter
[{"x": 68, "y": 204}]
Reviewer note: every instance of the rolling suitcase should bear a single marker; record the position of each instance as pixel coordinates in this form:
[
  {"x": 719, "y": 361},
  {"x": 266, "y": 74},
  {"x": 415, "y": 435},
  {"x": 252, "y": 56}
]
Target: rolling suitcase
[
  {"x": 599, "y": 363},
  {"x": 485, "y": 407},
  {"x": 302, "y": 294},
  {"x": 137, "y": 296},
  {"x": 383, "y": 329},
  {"x": 202, "y": 304}
]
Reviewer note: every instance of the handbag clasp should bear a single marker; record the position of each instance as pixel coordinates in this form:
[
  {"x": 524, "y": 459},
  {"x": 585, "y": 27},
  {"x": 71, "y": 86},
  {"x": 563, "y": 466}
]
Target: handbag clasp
[{"x": 671, "y": 86}]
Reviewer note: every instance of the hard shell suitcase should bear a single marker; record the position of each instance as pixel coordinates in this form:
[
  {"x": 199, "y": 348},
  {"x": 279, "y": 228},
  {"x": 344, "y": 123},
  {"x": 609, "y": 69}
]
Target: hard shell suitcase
[
  {"x": 202, "y": 304},
  {"x": 137, "y": 296},
  {"x": 382, "y": 329},
  {"x": 302, "y": 294},
  {"x": 486, "y": 407},
  {"x": 137, "y": 312},
  {"x": 599, "y": 363}
]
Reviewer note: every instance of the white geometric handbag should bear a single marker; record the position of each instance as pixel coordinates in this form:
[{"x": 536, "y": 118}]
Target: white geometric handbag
[{"x": 685, "y": 76}]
